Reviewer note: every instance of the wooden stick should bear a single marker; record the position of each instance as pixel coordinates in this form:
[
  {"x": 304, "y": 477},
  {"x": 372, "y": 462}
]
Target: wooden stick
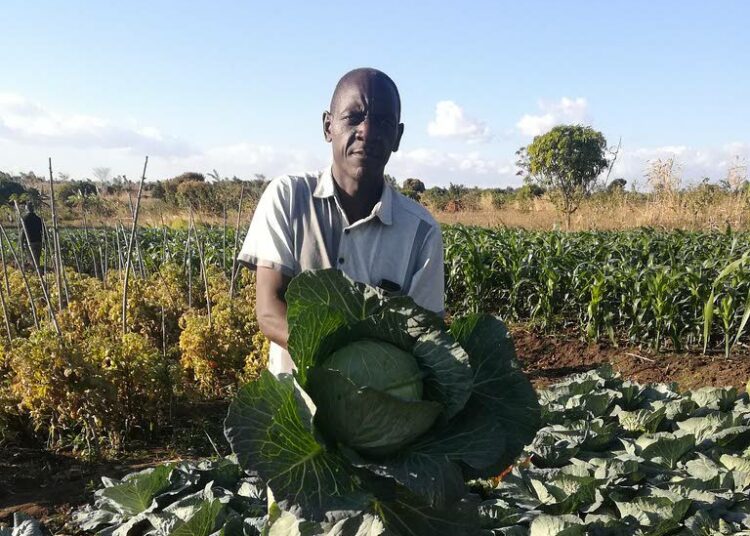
[
  {"x": 5, "y": 266},
  {"x": 56, "y": 239},
  {"x": 38, "y": 272},
  {"x": 234, "y": 250},
  {"x": 5, "y": 316},
  {"x": 189, "y": 263},
  {"x": 224, "y": 241},
  {"x": 130, "y": 250},
  {"x": 203, "y": 270}
]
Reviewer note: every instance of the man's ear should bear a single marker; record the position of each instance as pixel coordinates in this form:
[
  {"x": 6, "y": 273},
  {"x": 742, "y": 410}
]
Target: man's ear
[
  {"x": 327, "y": 126},
  {"x": 398, "y": 137}
]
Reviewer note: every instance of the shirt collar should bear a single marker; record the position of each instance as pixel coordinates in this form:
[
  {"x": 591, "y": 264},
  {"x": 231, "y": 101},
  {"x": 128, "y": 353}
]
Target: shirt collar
[{"x": 383, "y": 209}]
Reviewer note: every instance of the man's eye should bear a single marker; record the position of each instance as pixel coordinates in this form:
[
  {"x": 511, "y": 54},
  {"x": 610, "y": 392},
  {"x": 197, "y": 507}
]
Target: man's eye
[{"x": 354, "y": 118}]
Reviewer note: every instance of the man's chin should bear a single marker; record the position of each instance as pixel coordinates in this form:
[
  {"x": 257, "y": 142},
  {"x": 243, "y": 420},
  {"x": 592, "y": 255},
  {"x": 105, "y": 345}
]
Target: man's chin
[{"x": 367, "y": 170}]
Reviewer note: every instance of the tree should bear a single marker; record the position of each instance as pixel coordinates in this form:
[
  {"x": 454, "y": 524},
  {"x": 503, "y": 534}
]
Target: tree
[
  {"x": 566, "y": 161},
  {"x": 415, "y": 185},
  {"x": 413, "y": 188},
  {"x": 617, "y": 185}
]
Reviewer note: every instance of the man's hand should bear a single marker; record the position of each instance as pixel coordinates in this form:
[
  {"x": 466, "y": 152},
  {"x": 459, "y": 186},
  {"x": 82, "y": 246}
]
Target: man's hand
[{"x": 270, "y": 306}]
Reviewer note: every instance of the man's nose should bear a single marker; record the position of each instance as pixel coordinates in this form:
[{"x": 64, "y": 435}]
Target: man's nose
[{"x": 366, "y": 129}]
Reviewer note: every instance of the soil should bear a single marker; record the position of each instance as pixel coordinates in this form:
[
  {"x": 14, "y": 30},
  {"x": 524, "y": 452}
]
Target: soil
[
  {"x": 49, "y": 486},
  {"x": 547, "y": 359}
]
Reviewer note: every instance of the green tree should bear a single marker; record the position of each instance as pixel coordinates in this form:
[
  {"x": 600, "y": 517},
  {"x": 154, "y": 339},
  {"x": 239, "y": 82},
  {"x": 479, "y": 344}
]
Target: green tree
[{"x": 566, "y": 161}]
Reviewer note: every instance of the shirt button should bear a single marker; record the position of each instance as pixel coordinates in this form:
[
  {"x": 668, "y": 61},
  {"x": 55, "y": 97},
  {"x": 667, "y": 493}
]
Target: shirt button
[
  {"x": 346, "y": 231},
  {"x": 341, "y": 260}
]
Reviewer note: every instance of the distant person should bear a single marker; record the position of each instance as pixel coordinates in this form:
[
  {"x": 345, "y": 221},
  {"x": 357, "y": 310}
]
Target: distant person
[{"x": 34, "y": 228}]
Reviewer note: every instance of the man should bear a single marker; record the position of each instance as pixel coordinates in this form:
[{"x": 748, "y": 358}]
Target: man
[
  {"x": 347, "y": 217},
  {"x": 34, "y": 228}
]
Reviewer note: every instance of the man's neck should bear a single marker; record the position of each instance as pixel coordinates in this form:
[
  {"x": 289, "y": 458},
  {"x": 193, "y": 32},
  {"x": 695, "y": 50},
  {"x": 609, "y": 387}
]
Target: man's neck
[{"x": 358, "y": 196}]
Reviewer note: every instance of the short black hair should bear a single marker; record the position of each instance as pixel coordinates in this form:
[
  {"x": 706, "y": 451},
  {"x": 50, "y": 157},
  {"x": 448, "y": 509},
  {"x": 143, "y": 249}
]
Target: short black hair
[{"x": 370, "y": 72}]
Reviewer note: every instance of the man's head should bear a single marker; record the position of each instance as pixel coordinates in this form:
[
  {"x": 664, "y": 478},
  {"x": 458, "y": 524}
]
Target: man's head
[{"x": 363, "y": 124}]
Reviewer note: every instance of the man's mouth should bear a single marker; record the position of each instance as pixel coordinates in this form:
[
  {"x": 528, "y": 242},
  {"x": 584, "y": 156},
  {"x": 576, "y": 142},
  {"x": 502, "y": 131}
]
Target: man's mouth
[{"x": 365, "y": 154}]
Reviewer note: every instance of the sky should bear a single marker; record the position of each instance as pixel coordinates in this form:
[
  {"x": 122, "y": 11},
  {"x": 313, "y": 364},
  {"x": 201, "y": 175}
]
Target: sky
[{"x": 240, "y": 86}]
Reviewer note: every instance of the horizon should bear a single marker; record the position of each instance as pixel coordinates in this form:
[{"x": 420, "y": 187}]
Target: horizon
[{"x": 240, "y": 89}]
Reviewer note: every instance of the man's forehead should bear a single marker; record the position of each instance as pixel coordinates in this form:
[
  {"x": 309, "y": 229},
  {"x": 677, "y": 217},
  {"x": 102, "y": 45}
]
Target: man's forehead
[{"x": 368, "y": 89}]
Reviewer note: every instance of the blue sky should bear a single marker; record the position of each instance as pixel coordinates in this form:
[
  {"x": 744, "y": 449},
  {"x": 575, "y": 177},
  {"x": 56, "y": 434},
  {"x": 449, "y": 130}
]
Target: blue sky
[{"x": 240, "y": 86}]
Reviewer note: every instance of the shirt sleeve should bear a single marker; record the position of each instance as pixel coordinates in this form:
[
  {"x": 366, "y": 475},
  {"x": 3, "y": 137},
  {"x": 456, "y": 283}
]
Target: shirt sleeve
[
  {"x": 269, "y": 240},
  {"x": 428, "y": 282}
]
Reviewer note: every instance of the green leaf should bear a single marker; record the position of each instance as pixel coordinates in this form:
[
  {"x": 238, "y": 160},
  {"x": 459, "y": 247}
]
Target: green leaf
[
  {"x": 716, "y": 398},
  {"x": 651, "y": 511},
  {"x": 407, "y": 516},
  {"x": 137, "y": 491},
  {"x": 365, "y": 419},
  {"x": 641, "y": 420},
  {"x": 270, "y": 430},
  {"x": 448, "y": 375},
  {"x": 203, "y": 522},
  {"x": 320, "y": 302},
  {"x": 666, "y": 449},
  {"x": 566, "y": 525},
  {"x": 434, "y": 479},
  {"x": 502, "y": 414}
]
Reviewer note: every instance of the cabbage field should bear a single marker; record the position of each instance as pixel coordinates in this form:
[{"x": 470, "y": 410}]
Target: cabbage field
[
  {"x": 614, "y": 458},
  {"x": 462, "y": 443}
]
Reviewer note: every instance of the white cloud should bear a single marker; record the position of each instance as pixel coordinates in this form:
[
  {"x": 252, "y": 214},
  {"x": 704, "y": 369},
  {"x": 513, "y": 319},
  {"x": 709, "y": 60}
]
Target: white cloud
[
  {"x": 25, "y": 121},
  {"x": 693, "y": 163},
  {"x": 565, "y": 110},
  {"x": 451, "y": 122},
  {"x": 439, "y": 168}
]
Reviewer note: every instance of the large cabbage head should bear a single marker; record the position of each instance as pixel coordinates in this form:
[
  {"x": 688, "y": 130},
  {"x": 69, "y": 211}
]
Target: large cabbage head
[{"x": 388, "y": 413}]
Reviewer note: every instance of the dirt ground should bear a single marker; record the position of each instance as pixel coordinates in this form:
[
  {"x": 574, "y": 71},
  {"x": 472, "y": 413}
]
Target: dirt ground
[
  {"x": 50, "y": 486},
  {"x": 547, "y": 359}
]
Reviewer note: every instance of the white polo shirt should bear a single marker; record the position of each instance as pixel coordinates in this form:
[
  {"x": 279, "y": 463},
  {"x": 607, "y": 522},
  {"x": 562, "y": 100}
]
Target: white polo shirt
[{"x": 299, "y": 225}]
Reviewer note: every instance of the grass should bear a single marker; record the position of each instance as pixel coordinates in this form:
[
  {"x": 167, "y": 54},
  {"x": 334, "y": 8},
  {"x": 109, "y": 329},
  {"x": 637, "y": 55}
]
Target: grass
[{"x": 612, "y": 213}]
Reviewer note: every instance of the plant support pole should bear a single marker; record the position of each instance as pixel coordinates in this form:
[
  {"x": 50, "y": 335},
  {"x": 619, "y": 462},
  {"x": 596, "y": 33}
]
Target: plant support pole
[{"x": 130, "y": 250}]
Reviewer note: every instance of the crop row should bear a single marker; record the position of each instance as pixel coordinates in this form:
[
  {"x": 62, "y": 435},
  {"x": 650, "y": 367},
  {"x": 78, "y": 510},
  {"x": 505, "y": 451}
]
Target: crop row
[{"x": 646, "y": 287}]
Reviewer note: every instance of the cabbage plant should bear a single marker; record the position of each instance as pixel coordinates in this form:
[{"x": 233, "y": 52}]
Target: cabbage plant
[{"x": 387, "y": 415}]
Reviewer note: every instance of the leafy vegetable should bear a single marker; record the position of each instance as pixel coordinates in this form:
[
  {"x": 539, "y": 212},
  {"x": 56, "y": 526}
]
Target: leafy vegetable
[{"x": 388, "y": 412}]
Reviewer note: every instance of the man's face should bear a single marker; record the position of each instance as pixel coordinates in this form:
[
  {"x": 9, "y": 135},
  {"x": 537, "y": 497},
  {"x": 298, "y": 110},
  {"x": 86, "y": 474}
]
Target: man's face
[{"x": 363, "y": 127}]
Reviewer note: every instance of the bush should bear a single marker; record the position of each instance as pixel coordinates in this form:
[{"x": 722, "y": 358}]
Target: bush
[
  {"x": 95, "y": 389},
  {"x": 67, "y": 191}
]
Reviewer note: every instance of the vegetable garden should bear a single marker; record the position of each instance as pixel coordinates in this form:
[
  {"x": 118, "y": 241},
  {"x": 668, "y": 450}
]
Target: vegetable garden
[{"x": 89, "y": 369}]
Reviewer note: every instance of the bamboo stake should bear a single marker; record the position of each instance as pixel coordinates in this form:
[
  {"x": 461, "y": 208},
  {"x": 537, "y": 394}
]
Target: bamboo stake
[
  {"x": 5, "y": 266},
  {"x": 91, "y": 249},
  {"x": 55, "y": 238},
  {"x": 201, "y": 258},
  {"x": 234, "y": 250},
  {"x": 189, "y": 264},
  {"x": 48, "y": 248},
  {"x": 103, "y": 261},
  {"x": 119, "y": 254},
  {"x": 224, "y": 241},
  {"x": 130, "y": 249},
  {"x": 163, "y": 320},
  {"x": 38, "y": 272},
  {"x": 5, "y": 316}
]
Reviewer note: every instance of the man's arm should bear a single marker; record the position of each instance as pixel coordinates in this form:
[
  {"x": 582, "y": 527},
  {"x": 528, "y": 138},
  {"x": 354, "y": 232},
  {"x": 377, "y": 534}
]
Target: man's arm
[{"x": 270, "y": 306}]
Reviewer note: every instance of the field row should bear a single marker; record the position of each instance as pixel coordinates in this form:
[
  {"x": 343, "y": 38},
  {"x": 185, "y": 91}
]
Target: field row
[{"x": 646, "y": 287}]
